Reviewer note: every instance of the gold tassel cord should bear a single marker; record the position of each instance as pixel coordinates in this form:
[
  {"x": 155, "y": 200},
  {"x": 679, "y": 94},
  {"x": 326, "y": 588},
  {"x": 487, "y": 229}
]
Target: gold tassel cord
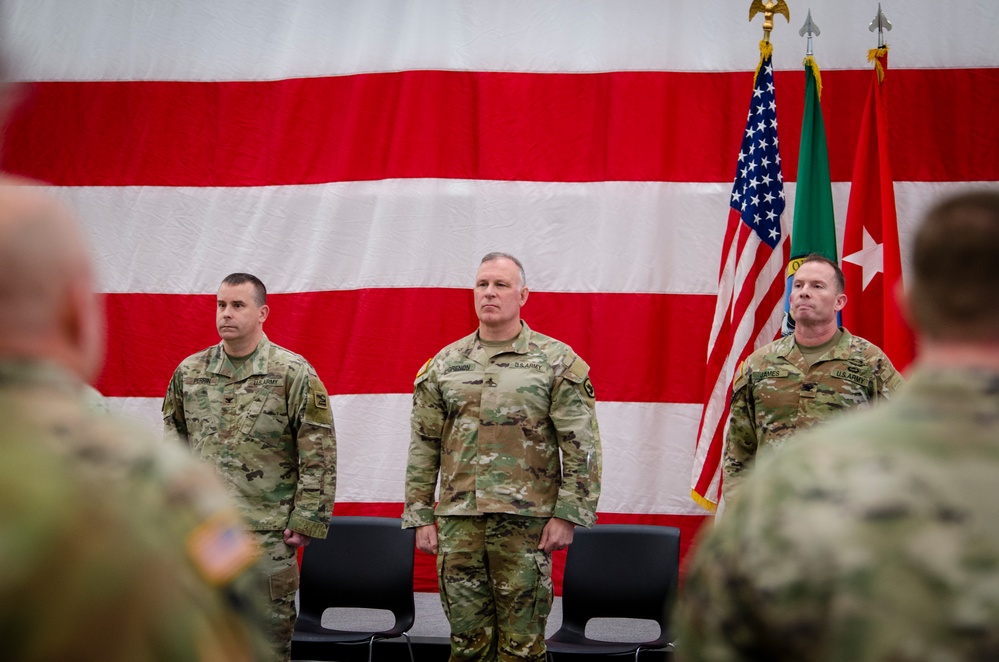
[
  {"x": 766, "y": 50},
  {"x": 873, "y": 55},
  {"x": 814, "y": 66}
]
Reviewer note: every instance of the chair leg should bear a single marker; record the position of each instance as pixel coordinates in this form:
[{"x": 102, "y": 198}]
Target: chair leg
[{"x": 409, "y": 644}]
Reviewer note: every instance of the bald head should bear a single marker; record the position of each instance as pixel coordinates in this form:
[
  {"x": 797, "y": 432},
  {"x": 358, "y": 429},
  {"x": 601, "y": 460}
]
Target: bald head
[{"x": 48, "y": 307}]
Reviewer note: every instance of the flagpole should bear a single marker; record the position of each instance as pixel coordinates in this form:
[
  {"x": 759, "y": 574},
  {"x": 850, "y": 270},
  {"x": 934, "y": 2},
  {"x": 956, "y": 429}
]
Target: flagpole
[
  {"x": 769, "y": 9},
  {"x": 751, "y": 278},
  {"x": 880, "y": 23},
  {"x": 814, "y": 226},
  {"x": 871, "y": 256}
]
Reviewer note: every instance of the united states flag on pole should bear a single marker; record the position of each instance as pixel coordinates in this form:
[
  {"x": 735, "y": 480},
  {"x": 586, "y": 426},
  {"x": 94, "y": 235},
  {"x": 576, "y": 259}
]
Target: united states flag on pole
[{"x": 750, "y": 283}]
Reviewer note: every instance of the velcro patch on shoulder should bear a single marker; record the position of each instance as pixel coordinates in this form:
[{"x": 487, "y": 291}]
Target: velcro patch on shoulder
[
  {"x": 578, "y": 371},
  {"x": 220, "y": 548}
]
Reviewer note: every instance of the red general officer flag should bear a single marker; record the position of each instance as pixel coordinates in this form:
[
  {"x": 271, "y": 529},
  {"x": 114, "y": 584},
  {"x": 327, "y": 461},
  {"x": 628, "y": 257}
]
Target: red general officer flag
[{"x": 871, "y": 261}]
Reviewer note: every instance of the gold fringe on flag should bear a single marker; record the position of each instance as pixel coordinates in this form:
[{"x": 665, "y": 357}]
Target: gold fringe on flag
[
  {"x": 873, "y": 55},
  {"x": 702, "y": 502},
  {"x": 814, "y": 66},
  {"x": 766, "y": 50}
]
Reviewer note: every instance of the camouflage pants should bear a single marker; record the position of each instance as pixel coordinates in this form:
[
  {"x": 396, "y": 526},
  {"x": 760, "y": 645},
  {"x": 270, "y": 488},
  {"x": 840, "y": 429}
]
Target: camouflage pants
[
  {"x": 495, "y": 586},
  {"x": 280, "y": 564}
]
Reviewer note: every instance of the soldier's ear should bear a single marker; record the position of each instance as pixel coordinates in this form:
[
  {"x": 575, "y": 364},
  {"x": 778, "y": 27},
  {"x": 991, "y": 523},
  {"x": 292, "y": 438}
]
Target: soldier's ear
[
  {"x": 524, "y": 292},
  {"x": 265, "y": 310}
]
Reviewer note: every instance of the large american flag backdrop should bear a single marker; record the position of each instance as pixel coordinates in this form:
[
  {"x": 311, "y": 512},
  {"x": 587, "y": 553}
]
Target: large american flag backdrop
[{"x": 361, "y": 156}]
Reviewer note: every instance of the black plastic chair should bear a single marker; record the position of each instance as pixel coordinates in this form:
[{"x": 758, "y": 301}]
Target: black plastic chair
[
  {"x": 618, "y": 571},
  {"x": 364, "y": 562}
]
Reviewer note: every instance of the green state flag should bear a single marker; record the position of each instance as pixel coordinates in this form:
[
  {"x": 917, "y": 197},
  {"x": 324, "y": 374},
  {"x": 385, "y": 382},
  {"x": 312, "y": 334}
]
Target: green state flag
[{"x": 814, "y": 229}]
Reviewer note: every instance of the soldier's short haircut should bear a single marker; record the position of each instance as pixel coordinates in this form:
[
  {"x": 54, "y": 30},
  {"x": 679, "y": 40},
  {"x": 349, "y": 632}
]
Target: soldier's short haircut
[
  {"x": 955, "y": 269},
  {"x": 496, "y": 255},
  {"x": 259, "y": 291},
  {"x": 840, "y": 278}
]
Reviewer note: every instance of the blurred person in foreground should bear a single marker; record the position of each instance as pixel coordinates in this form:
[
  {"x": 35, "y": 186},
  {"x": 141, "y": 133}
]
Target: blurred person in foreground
[
  {"x": 113, "y": 546},
  {"x": 876, "y": 537}
]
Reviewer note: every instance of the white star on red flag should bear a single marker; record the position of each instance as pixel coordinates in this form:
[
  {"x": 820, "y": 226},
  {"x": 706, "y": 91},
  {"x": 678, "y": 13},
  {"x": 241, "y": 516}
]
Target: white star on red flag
[{"x": 870, "y": 258}]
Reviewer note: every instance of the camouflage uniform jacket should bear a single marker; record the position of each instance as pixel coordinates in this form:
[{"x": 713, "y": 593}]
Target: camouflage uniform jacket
[
  {"x": 875, "y": 537},
  {"x": 146, "y": 552},
  {"x": 776, "y": 393},
  {"x": 493, "y": 428},
  {"x": 267, "y": 428}
]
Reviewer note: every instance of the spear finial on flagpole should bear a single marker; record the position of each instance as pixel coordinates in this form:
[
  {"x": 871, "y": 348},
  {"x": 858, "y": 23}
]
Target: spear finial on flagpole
[
  {"x": 810, "y": 29},
  {"x": 880, "y": 23},
  {"x": 769, "y": 9}
]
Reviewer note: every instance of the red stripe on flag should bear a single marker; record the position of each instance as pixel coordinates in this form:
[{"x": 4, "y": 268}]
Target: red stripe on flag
[
  {"x": 473, "y": 125},
  {"x": 641, "y": 347}
]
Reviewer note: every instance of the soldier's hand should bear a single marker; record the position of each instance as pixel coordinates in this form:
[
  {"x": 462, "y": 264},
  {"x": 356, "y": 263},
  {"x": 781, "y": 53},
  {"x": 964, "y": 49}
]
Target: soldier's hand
[
  {"x": 296, "y": 539},
  {"x": 557, "y": 534},
  {"x": 426, "y": 539}
]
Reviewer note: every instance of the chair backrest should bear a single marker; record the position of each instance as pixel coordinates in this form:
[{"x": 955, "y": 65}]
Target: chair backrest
[
  {"x": 621, "y": 571},
  {"x": 364, "y": 562}
]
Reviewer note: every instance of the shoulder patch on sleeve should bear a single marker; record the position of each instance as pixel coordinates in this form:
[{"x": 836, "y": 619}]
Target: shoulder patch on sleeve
[
  {"x": 220, "y": 548},
  {"x": 578, "y": 371},
  {"x": 317, "y": 408},
  {"x": 741, "y": 377},
  {"x": 422, "y": 374}
]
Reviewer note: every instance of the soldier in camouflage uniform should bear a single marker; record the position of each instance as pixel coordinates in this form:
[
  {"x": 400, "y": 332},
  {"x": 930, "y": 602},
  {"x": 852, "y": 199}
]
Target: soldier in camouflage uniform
[
  {"x": 491, "y": 413},
  {"x": 112, "y": 547},
  {"x": 801, "y": 379},
  {"x": 260, "y": 414},
  {"x": 876, "y": 537}
]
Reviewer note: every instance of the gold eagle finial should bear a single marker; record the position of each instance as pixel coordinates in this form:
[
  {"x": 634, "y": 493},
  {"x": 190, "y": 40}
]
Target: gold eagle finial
[{"x": 769, "y": 9}]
